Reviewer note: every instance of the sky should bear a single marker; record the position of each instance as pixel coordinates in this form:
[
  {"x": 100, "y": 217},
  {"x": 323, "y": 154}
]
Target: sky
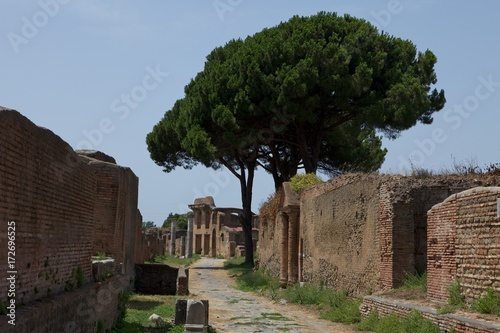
[{"x": 101, "y": 73}]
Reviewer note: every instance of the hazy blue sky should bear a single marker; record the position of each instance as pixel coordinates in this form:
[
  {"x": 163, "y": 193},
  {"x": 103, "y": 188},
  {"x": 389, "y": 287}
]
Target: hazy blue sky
[{"x": 101, "y": 74}]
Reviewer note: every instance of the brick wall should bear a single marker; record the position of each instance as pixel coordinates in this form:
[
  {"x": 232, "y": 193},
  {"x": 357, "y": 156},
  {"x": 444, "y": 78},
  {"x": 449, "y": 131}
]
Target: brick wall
[
  {"x": 54, "y": 196},
  {"x": 340, "y": 231},
  {"x": 364, "y": 232},
  {"x": 77, "y": 311},
  {"x": 115, "y": 212},
  {"x": 156, "y": 279},
  {"x": 446, "y": 322},
  {"x": 464, "y": 243},
  {"x": 48, "y": 191}
]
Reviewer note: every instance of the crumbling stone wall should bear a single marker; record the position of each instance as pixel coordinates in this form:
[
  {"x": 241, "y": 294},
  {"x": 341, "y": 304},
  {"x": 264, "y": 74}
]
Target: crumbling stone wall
[
  {"x": 340, "y": 232},
  {"x": 363, "y": 232},
  {"x": 270, "y": 235},
  {"x": 48, "y": 192},
  {"x": 464, "y": 243}
]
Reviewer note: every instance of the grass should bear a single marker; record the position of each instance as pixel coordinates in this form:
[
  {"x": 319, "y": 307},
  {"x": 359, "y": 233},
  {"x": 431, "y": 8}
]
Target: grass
[
  {"x": 101, "y": 256},
  {"x": 173, "y": 261},
  {"x": 413, "y": 286},
  {"x": 415, "y": 282},
  {"x": 413, "y": 323},
  {"x": 337, "y": 306},
  {"x": 248, "y": 280},
  {"x": 489, "y": 303},
  {"x": 140, "y": 307},
  {"x": 456, "y": 300}
]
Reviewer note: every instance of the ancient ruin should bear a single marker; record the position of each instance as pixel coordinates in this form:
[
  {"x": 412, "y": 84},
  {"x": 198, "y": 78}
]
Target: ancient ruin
[
  {"x": 64, "y": 207},
  {"x": 363, "y": 233},
  {"x": 216, "y": 232}
]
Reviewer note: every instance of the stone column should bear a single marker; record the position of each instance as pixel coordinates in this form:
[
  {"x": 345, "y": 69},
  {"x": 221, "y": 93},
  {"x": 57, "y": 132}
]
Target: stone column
[
  {"x": 172, "y": 237},
  {"x": 284, "y": 250},
  {"x": 203, "y": 218},
  {"x": 301, "y": 259},
  {"x": 189, "y": 252},
  {"x": 183, "y": 246},
  {"x": 293, "y": 246}
]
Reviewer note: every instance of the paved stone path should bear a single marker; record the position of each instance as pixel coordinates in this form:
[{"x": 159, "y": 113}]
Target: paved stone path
[{"x": 235, "y": 311}]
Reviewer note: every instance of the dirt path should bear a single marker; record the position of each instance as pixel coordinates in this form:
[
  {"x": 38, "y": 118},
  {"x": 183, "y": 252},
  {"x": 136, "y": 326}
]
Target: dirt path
[{"x": 235, "y": 311}]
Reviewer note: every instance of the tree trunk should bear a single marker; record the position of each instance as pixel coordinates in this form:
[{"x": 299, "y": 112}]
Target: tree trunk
[{"x": 246, "y": 220}]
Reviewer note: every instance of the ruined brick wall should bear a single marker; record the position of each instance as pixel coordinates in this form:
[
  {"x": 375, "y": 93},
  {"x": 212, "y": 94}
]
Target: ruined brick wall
[
  {"x": 446, "y": 322},
  {"x": 115, "y": 213},
  {"x": 404, "y": 204},
  {"x": 156, "y": 279},
  {"x": 77, "y": 311},
  {"x": 153, "y": 246},
  {"x": 374, "y": 223},
  {"x": 463, "y": 243},
  {"x": 139, "y": 240},
  {"x": 270, "y": 235},
  {"x": 339, "y": 224},
  {"x": 48, "y": 192}
]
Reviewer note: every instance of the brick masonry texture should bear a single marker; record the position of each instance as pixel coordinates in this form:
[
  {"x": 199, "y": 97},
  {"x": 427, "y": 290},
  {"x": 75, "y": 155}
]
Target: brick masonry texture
[
  {"x": 66, "y": 206},
  {"x": 446, "y": 322},
  {"x": 364, "y": 233},
  {"x": 464, "y": 244},
  {"x": 49, "y": 192},
  {"x": 71, "y": 312}
]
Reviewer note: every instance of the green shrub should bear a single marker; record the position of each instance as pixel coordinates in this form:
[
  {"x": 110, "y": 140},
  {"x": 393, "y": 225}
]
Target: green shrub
[
  {"x": 415, "y": 281},
  {"x": 80, "y": 277},
  {"x": 415, "y": 323},
  {"x": 307, "y": 294},
  {"x": 368, "y": 323},
  {"x": 456, "y": 298},
  {"x": 489, "y": 303},
  {"x": 393, "y": 323},
  {"x": 302, "y": 181},
  {"x": 347, "y": 313}
]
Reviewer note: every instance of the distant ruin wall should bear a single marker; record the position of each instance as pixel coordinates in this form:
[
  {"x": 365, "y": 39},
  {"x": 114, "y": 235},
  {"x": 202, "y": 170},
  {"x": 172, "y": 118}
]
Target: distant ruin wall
[
  {"x": 48, "y": 192},
  {"x": 464, "y": 243}
]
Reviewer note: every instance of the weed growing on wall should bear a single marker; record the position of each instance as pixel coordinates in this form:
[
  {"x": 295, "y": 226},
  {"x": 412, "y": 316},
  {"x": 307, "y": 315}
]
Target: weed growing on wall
[
  {"x": 413, "y": 323},
  {"x": 303, "y": 181},
  {"x": 456, "y": 298},
  {"x": 489, "y": 303}
]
